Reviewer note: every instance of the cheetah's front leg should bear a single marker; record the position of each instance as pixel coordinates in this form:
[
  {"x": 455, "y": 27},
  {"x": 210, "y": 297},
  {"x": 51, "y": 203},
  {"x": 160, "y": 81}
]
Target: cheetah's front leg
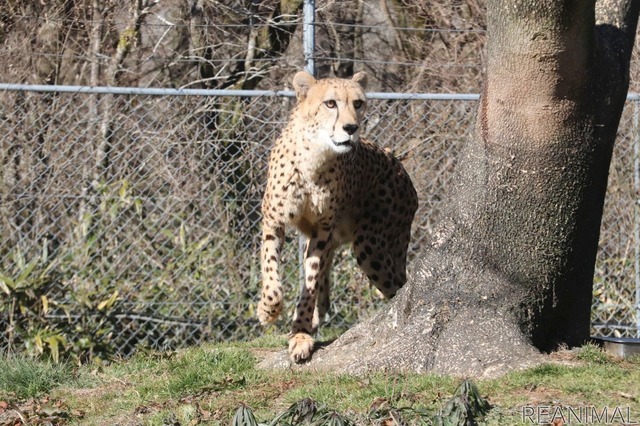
[
  {"x": 323, "y": 300},
  {"x": 271, "y": 301},
  {"x": 318, "y": 253}
]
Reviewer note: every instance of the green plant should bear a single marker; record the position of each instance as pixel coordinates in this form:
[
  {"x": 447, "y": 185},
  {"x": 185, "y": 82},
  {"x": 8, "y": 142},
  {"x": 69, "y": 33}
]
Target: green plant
[
  {"x": 309, "y": 412},
  {"x": 26, "y": 285},
  {"x": 244, "y": 417},
  {"x": 62, "y": 303},
  {"x": 465, "y": 408}
]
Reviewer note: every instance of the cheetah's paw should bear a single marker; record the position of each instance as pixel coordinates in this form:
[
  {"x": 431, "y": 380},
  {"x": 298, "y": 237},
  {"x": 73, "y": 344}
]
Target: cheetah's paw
[
  {"x": 268, "y": 314},
  {"x": 300, "y": 347}
]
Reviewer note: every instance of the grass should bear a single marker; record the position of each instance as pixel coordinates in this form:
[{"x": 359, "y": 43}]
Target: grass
[
  {"x": 206, "y": 385},
  {"x": 27, "y": 378}
]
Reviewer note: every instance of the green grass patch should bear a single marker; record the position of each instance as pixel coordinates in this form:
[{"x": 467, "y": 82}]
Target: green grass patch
[
  {"x": 266, "y": 341},
  {"x": 22, "y": 377},
  {"x": 185, "y": 372}
]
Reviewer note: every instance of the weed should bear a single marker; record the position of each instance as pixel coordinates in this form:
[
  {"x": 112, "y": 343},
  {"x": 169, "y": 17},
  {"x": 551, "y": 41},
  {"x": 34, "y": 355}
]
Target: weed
[
  {"x": 244, "y": 417},
  {"x": 593, "y": 354},
  {"x": 466, "y": 407}
]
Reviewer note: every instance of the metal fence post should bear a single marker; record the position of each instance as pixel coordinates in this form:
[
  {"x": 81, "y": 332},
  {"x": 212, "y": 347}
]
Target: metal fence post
[
  {"x": 309, "y": 35},
  {"x": 308, "y": 46},
  {"x": 636, "y": 208}
]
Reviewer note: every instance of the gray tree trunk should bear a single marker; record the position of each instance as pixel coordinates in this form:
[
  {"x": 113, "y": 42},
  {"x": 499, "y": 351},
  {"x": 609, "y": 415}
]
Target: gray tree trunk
[{"x": 509, "y": 272}]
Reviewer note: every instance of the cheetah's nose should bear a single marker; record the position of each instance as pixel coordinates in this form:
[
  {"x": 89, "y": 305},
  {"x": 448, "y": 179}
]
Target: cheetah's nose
[{"x": 350, "y": 128}]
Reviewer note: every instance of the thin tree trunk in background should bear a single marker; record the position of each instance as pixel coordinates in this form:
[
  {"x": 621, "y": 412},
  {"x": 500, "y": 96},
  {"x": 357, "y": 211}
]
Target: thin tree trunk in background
[
  {"x": 271, "y": 28},
  {"x": 97, "y": 19},
  {"x": 337, "y": 39},
  {"x": 88, "y": 171},
  {"x": 128, "y": 40}
]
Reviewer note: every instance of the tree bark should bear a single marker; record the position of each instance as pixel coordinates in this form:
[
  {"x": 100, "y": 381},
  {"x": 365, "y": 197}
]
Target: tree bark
[{"x": 509, "y": 272}]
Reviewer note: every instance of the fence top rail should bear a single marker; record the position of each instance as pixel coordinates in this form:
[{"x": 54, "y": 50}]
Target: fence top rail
[
  {"x": 104, "y": 90},
  {"x": 150, "y": 91}
]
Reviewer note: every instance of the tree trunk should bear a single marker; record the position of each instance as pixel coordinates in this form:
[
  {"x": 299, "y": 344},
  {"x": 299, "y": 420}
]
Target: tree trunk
[{"x": 509, "y": 273}]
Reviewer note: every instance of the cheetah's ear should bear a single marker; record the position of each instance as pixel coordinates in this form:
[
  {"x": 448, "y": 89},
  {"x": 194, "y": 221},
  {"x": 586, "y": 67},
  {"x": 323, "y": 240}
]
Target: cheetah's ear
[
  {"x": 361, "y": 79},
  {"x": 302, "y": 81}
]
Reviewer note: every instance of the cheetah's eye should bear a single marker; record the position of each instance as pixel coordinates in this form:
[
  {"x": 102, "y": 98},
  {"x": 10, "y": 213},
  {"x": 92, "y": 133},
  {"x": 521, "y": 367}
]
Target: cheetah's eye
[
  {"x": 358, "y": 104},
  {"x": 330, "y": 103}
]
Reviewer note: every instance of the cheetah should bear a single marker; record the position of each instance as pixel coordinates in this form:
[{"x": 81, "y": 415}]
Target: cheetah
[{"x": 335, "y": 188}]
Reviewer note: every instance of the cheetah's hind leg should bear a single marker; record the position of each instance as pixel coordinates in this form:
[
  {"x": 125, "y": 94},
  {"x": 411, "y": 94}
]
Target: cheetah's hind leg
[{"x": 385, "y": 267}]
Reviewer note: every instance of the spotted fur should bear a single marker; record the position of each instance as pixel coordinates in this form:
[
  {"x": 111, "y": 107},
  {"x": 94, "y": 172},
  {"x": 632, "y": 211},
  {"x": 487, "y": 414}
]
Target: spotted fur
[{"x": 336, "y": 188}]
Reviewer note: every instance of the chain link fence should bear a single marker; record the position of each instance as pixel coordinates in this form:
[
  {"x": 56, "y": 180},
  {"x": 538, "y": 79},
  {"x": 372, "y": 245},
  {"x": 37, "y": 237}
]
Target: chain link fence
[{"x": 130, "y": 218}]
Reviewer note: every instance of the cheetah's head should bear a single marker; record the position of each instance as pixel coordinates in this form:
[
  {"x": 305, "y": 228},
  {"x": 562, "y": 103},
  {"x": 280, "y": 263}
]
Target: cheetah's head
[{"x": 333, "y": 109}]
